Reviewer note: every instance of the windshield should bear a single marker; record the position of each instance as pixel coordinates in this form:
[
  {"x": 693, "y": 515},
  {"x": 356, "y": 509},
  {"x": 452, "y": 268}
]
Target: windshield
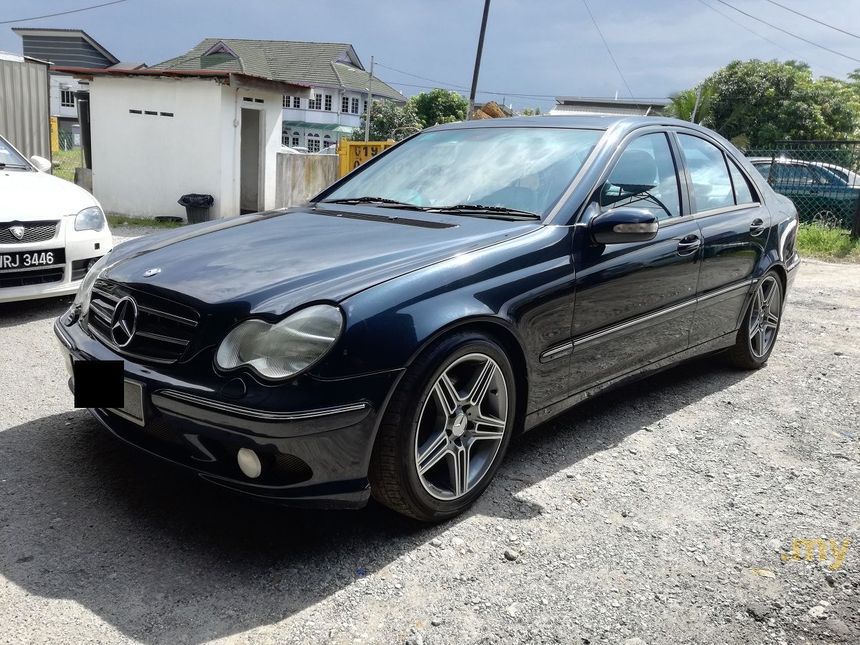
[
  {"x": 520, "y": 168},
  {"x": 11, "y": 159}
]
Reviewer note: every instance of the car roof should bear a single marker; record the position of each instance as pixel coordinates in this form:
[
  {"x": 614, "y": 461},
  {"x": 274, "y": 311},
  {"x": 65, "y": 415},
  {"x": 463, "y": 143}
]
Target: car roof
[{"x": 590, "y": 122}]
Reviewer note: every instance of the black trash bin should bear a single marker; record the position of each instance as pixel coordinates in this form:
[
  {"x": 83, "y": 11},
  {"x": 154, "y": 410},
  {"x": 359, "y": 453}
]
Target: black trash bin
[{"x": 196, "y": 207}]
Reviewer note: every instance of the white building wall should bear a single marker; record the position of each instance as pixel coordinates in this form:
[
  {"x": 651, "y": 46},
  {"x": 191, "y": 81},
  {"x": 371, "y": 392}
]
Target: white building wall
[{"x": 143, "y": 163}]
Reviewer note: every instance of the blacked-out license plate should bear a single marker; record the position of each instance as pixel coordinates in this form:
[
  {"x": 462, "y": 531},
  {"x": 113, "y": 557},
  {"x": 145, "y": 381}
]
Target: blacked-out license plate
[
  {"x": 102, "y": 384},
  {"x": 17, "y": 260}
]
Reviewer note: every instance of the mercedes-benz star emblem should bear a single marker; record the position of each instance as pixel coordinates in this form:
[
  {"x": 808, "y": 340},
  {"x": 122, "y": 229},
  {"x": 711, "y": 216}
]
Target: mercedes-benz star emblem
[
  {"x": 151, "y": 272},
  {"x": 123, "y": 323},
  {"x": 17, "y": 231}
]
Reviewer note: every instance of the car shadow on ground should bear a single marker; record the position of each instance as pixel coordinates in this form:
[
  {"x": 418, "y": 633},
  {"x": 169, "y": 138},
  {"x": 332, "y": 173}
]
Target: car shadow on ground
[
  {"x": 16, "y": 313},
  {"x": 165, "y": 557}
]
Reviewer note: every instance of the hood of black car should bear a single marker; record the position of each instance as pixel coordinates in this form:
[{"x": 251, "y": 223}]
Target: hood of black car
[{"x": 277, "y": 261}]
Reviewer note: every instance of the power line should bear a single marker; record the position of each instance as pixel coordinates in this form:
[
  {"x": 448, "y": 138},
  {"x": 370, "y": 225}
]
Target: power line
[
  {"x": 785, "y": 31},
  {"x": 423, "y": 78},
  {"x": 62, "y": 13},
  {"x": 820, "y": 22},
  {"x": 743, "y": 26},
  {"x": 608, "y": 49}
]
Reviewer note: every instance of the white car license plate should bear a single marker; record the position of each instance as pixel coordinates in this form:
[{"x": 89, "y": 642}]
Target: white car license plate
[{"x": 18, "y": 260}]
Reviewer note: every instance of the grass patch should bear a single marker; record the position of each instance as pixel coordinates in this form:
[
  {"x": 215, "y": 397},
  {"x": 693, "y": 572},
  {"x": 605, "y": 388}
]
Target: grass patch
[
  {"x": 67, "y": 161},
  {"x": 827, "y": 243},
  {"x": 122, "y": 220}
]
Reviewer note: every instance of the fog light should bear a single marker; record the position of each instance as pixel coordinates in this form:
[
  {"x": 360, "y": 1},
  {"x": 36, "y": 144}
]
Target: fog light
[{"x": 249, "y": 463}]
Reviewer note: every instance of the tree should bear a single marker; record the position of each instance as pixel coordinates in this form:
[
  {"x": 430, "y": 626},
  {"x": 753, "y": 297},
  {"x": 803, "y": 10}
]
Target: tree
[
  {"x": 530, "y": 111},
  {"x": 439, "y": 106},
  {"x": 389, "y": 120},
  {"x": 766, "y": 102},
  {"x": 692, "y": 105}
]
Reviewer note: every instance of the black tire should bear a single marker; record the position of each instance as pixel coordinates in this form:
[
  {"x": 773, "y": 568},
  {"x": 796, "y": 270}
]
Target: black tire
[
  {"x": 743, "y": 353},
  {"x": 393, "y": 473}
]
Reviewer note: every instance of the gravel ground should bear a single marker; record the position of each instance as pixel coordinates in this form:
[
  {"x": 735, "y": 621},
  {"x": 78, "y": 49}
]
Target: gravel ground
[{"x": 664, "y": 512}]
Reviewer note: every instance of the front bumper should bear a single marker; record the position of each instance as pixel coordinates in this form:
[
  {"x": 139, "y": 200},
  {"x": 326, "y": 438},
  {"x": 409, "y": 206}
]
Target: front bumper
[
  {"x": 78, "y": 246},
  {"x": 314, "y": 455}
]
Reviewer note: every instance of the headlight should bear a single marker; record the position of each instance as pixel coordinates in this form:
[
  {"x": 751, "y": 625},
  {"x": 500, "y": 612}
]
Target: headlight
[
  {"x": 90, "y": 219},
  {"x": 284, "y": 349},
  {"x": 82, "y": 298}
]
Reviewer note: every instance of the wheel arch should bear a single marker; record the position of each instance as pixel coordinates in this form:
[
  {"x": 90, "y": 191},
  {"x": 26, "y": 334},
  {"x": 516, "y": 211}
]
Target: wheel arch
[{"x": 502, "y": 332}]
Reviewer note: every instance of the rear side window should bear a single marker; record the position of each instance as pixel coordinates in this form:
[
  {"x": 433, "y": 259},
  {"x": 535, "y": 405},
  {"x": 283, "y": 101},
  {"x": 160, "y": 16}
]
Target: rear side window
[
  {"x": 644, "y": 177},
  {"x": 743, "y": 192},
  {"x": 711, "y": 185}
]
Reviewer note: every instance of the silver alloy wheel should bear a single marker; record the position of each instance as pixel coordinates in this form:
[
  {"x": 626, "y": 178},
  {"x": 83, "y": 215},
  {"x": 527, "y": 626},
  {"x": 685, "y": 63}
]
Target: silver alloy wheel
[
  {"x": 461, "y": 426},
  {"x": 764, "y": 316}
]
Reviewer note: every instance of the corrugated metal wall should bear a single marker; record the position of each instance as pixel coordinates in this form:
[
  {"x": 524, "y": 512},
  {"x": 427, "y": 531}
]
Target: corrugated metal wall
[{"x": 24, "y": 108}]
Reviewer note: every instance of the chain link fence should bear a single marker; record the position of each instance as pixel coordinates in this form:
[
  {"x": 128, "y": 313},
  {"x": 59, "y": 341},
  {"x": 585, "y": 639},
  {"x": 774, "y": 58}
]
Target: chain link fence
[{"x": 822, "y": 178}]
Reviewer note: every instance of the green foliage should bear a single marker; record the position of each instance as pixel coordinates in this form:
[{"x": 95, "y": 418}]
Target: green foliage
[
  {"x": 827, "y": 243},
  {"x": 766, "y": 102},
  {"x": 530, "y": 112},
  {"x": 692, "y": 105},
  {"x": 439, "y": 106},
  {"x": 389, "y": 120}
]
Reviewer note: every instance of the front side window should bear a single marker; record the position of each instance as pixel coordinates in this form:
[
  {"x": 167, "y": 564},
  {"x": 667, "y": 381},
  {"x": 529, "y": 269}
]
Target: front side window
[
  {"x": 709, "y": 174},
  {"x": 530, "y": 168},
  {"x": 644, "y": 177}
]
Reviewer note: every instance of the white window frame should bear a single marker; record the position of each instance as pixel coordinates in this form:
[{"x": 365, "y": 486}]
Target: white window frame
[
  {"x": 344, "y": 104},
  {"x": 353, "y": 106},
  {"x": 327, "y": 103},
  {"x": 297, "y": 102},
  {"x": 64, "y": 103}
]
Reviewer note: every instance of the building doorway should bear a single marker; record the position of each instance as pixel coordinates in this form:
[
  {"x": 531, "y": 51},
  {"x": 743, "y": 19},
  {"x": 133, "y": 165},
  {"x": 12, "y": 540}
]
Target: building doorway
[{"x": 250, "y": 162}]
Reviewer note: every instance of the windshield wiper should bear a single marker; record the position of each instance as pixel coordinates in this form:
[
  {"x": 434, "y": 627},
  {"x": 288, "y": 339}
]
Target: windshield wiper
[
  {"x": 480, "y": 210},
  {"x": 371, "y": 200},
  {"x": 12, "y": 165}
]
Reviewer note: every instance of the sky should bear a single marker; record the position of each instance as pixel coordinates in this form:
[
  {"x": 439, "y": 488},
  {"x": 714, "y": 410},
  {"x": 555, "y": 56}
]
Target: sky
[{"x": 534, "y": 49}]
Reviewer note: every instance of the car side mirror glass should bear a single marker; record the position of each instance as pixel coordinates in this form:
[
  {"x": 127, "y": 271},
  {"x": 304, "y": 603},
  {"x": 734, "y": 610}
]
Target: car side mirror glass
[
  {"x": 42, "y": 164},
  {"x": 620, "y": 225}
]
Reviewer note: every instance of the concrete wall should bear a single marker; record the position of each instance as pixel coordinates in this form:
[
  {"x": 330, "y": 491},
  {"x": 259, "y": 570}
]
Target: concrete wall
[
  {"x": 301, "y": 176},
  {"x": 24, "y": 118},
  {"x": 143, "y": 163}
]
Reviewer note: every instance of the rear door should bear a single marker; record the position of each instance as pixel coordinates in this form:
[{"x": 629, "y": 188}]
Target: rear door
[
  {"x": 634, "y": 302},
  {"x": 735, "y": 226}
]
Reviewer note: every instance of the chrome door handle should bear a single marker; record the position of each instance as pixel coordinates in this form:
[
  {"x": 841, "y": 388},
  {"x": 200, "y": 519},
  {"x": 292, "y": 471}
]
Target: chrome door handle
[
  {"x": 757, "y": 227},
  {"x": 689, "y": 244}
]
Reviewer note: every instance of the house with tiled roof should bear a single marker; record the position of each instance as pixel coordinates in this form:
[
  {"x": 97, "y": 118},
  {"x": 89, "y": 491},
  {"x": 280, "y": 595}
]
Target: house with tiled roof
[
  {"x": 338, "y": 81},
  {"x": 63, "y": 47}
]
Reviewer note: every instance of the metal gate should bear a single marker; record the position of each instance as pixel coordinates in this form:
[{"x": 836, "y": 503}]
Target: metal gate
[{"x": 822, "y": 178}]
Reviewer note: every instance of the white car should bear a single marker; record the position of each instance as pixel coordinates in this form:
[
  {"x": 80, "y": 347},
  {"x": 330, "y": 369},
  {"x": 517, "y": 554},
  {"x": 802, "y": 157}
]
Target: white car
[{"x": 51, "y": 231}]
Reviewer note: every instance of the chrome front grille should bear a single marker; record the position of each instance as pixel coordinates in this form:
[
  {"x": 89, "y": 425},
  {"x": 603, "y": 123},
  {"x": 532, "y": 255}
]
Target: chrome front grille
[
  {"x": 32, "y": 232},
  {"x": 164, "y": 329}
]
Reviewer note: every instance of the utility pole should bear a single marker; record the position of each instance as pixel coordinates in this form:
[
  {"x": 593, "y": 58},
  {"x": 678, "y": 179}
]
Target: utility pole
[
  {"x": 478, "y": 59},
  {"x": 696, "y": 105},
  {"x": 369, "y": 103}
]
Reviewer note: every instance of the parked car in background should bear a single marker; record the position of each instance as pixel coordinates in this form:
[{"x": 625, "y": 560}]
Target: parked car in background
[
  {"x": 821, "y": 191},
  {"x": 51, "y": 231},
  {"x": 468, "y": 283}
]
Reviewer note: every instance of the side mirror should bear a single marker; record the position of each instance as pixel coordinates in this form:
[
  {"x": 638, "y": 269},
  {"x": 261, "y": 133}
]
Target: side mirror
[
  {"x": 620, "y": 225},
  {"x": 42, "y": 164}
]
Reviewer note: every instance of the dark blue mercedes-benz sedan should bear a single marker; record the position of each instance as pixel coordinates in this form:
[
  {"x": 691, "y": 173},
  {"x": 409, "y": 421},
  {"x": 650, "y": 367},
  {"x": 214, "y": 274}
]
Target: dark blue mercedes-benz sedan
[{"x": 389, "y": 337}]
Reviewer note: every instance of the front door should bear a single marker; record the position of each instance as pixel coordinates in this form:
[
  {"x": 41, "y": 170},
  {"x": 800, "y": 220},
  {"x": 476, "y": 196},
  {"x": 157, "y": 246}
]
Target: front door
[
  {"x": 250, "y": 161},
  {"x": 735, "y": 227},
  {"x": 634, "y": 302}
]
